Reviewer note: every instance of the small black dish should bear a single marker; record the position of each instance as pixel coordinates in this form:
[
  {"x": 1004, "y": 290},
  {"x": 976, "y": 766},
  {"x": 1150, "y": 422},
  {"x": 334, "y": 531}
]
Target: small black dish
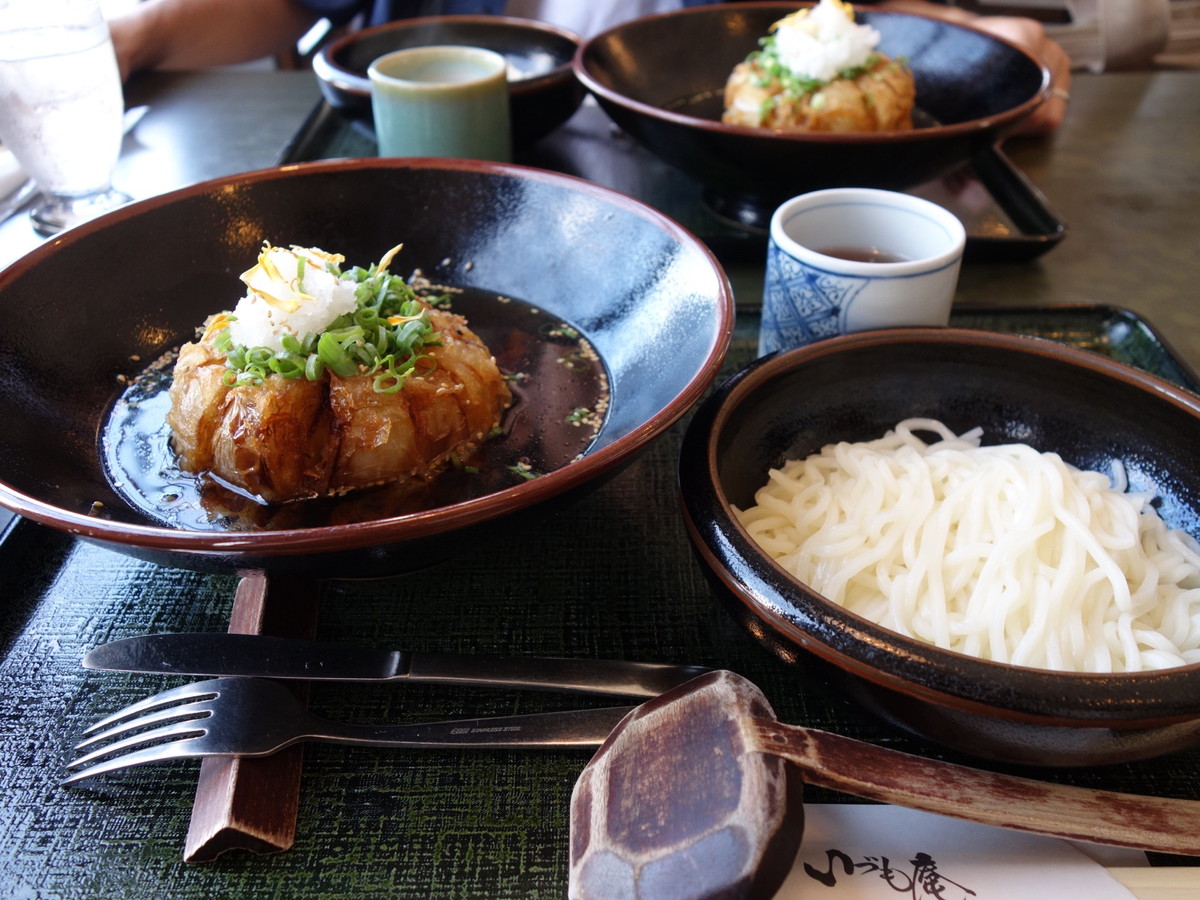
[
  {"x": 543, "y": 90},
  {"x": 1089, "y": 409}
]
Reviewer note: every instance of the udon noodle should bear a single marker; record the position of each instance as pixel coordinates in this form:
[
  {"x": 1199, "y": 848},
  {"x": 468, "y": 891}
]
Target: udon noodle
[{"x": 1000, "y": 552}]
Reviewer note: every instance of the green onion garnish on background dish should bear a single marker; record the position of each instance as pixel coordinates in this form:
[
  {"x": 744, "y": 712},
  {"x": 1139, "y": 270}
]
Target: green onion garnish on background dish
[{"x": 793, "y": 85}]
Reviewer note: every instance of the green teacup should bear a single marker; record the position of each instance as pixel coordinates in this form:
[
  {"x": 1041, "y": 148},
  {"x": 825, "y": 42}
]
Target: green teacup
[{"x": 441, "y": 101}]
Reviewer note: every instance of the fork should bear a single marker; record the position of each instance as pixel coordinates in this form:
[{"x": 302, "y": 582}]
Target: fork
[{"x": 258, "y": 717}]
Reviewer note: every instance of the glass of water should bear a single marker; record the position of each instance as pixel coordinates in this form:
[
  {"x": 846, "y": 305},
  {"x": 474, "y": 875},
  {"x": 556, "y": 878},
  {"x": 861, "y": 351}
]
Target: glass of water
[{"x": 61, "y": 106}]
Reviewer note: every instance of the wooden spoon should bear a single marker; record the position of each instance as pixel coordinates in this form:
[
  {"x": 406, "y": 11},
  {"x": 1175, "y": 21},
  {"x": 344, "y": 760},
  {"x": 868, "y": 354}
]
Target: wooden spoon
[{"x": 697, "y": 794}]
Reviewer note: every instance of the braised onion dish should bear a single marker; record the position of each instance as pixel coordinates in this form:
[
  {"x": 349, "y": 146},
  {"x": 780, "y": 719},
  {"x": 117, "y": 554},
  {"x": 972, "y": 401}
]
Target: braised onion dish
[
  {"x": 324, "y": 380},
  {"x": 818, "y": 70}
]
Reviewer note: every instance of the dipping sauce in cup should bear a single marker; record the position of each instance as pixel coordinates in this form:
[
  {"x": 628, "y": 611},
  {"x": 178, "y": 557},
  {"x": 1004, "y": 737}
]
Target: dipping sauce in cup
[{"x": 855, "y": 259}]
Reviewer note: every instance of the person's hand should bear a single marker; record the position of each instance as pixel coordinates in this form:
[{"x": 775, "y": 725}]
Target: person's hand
[
  {"x": 1027, "y": 34},
  {"x": 1030, "y": 35},
  {"x": 125, "y": 37},
  {"x": 176, "y": 35}
]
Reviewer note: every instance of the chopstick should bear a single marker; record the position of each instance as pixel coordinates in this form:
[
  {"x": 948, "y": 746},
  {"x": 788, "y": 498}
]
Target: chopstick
[{"x": 1159, "y": 883}]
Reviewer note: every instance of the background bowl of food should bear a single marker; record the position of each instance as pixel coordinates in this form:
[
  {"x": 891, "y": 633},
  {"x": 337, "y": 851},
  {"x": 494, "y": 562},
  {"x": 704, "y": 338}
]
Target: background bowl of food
[
  {"x": 1002, "y": 643},
  {"x": 663, "y": 80},
  {"x": 543, "y": 90},
  {"x": 576, "y": 291}
]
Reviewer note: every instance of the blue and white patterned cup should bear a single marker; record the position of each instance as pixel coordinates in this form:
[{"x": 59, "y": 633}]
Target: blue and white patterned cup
[{"x": 854, "y": 259}]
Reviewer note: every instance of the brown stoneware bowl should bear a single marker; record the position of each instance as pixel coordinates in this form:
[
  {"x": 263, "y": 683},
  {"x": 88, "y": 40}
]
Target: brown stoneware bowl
[
  {"x": 1085, "y": 407},
  {"x": 91, "y": 309},
  {"x": 543, "y": 91},
  {"x": 662, "y": 80}
]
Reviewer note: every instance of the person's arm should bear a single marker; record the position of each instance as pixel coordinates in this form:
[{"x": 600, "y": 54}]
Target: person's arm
[
  {"x": 194, "y": 34},
  {"x": 1026, "y": 33}
]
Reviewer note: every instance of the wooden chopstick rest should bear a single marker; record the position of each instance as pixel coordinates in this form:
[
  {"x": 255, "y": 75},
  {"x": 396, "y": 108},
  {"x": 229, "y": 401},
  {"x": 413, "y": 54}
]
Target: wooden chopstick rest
[{"x": 251, "y": 803}]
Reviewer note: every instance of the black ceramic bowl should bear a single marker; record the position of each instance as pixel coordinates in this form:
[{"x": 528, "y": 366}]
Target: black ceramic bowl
[
  {"x": 98, "y": 303},
  {"x": 1083, "y": 406},
  {"x": 542, "y": 87},
  {"x": 662, "y": 79}
]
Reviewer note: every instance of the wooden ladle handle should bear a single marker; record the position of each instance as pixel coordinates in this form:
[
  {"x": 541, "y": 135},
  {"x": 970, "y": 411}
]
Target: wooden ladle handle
[
  {"x": 677, "y": 804},
  {"x": 697, "y": 794}
]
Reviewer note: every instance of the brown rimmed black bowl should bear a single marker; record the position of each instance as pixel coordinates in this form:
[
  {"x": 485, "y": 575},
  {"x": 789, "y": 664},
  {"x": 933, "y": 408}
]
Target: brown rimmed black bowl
[
  {"x": 1087, "y": 408},
  {"x": 662, "y": 79},
  {"x": 542, "y": 87},
  {"x": 97, "y": 303}
]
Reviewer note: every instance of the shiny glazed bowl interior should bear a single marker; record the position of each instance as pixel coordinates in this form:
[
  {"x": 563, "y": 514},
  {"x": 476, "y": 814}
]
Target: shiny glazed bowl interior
[
  {"x": 661, "y": 79},
  {"x": 1087, "y": 408},
  {"x": 645, "y": 293},
  {"x": 542, "y": 87}
]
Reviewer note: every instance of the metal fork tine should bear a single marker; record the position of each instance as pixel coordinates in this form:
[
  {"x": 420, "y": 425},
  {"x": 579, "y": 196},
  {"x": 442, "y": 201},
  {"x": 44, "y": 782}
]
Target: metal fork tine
[
  {"x": 258, "y": 716},
  {"x": 157, "y": 753},
  {"x": 200, "y": 690},
  {"x": 173, "y": 732},
  {"x": 185, "y": 712}
]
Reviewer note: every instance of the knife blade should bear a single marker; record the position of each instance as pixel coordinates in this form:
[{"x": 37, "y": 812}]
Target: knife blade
[{"x": 267, "y": 656}]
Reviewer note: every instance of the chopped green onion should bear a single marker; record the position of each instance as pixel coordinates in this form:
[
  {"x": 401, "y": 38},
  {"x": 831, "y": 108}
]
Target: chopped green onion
[
  {"x": 771, "y": 70},
  {"x": 333, "y": 354},
  {"x": 287, "y": 366},
  {"x": 361, "y": 342},
  {"x": 258, "y": 357},
  {"x": 314, "y": 368}
]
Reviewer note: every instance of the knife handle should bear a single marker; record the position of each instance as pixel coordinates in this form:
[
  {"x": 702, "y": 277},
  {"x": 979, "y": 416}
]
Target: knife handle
[{"x": 572, "y": 675}]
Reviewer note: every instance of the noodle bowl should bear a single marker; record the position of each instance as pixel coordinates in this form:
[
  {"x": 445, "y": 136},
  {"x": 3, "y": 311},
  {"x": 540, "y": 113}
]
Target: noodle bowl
[
  {"x": 1094, "y": 412},
  {"x": 1000, "y": 552}
]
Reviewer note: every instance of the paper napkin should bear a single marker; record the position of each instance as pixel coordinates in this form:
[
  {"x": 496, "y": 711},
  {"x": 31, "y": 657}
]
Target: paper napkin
[{"x": 874, "y": 852}]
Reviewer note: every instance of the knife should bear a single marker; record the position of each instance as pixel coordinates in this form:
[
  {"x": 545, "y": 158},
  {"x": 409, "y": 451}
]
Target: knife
[{"x": 267, "y": 656}]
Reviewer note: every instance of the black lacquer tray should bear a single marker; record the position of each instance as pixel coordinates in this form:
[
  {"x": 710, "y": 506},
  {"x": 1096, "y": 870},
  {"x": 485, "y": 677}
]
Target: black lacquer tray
[{"x": 1006, "y": 216}]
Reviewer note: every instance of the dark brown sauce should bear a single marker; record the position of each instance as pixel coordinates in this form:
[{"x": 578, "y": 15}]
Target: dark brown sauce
[
  {"x": 560, "y": 401},
  {"x": 862, "y": 254},
  {"x": 711, "y": 104}
]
